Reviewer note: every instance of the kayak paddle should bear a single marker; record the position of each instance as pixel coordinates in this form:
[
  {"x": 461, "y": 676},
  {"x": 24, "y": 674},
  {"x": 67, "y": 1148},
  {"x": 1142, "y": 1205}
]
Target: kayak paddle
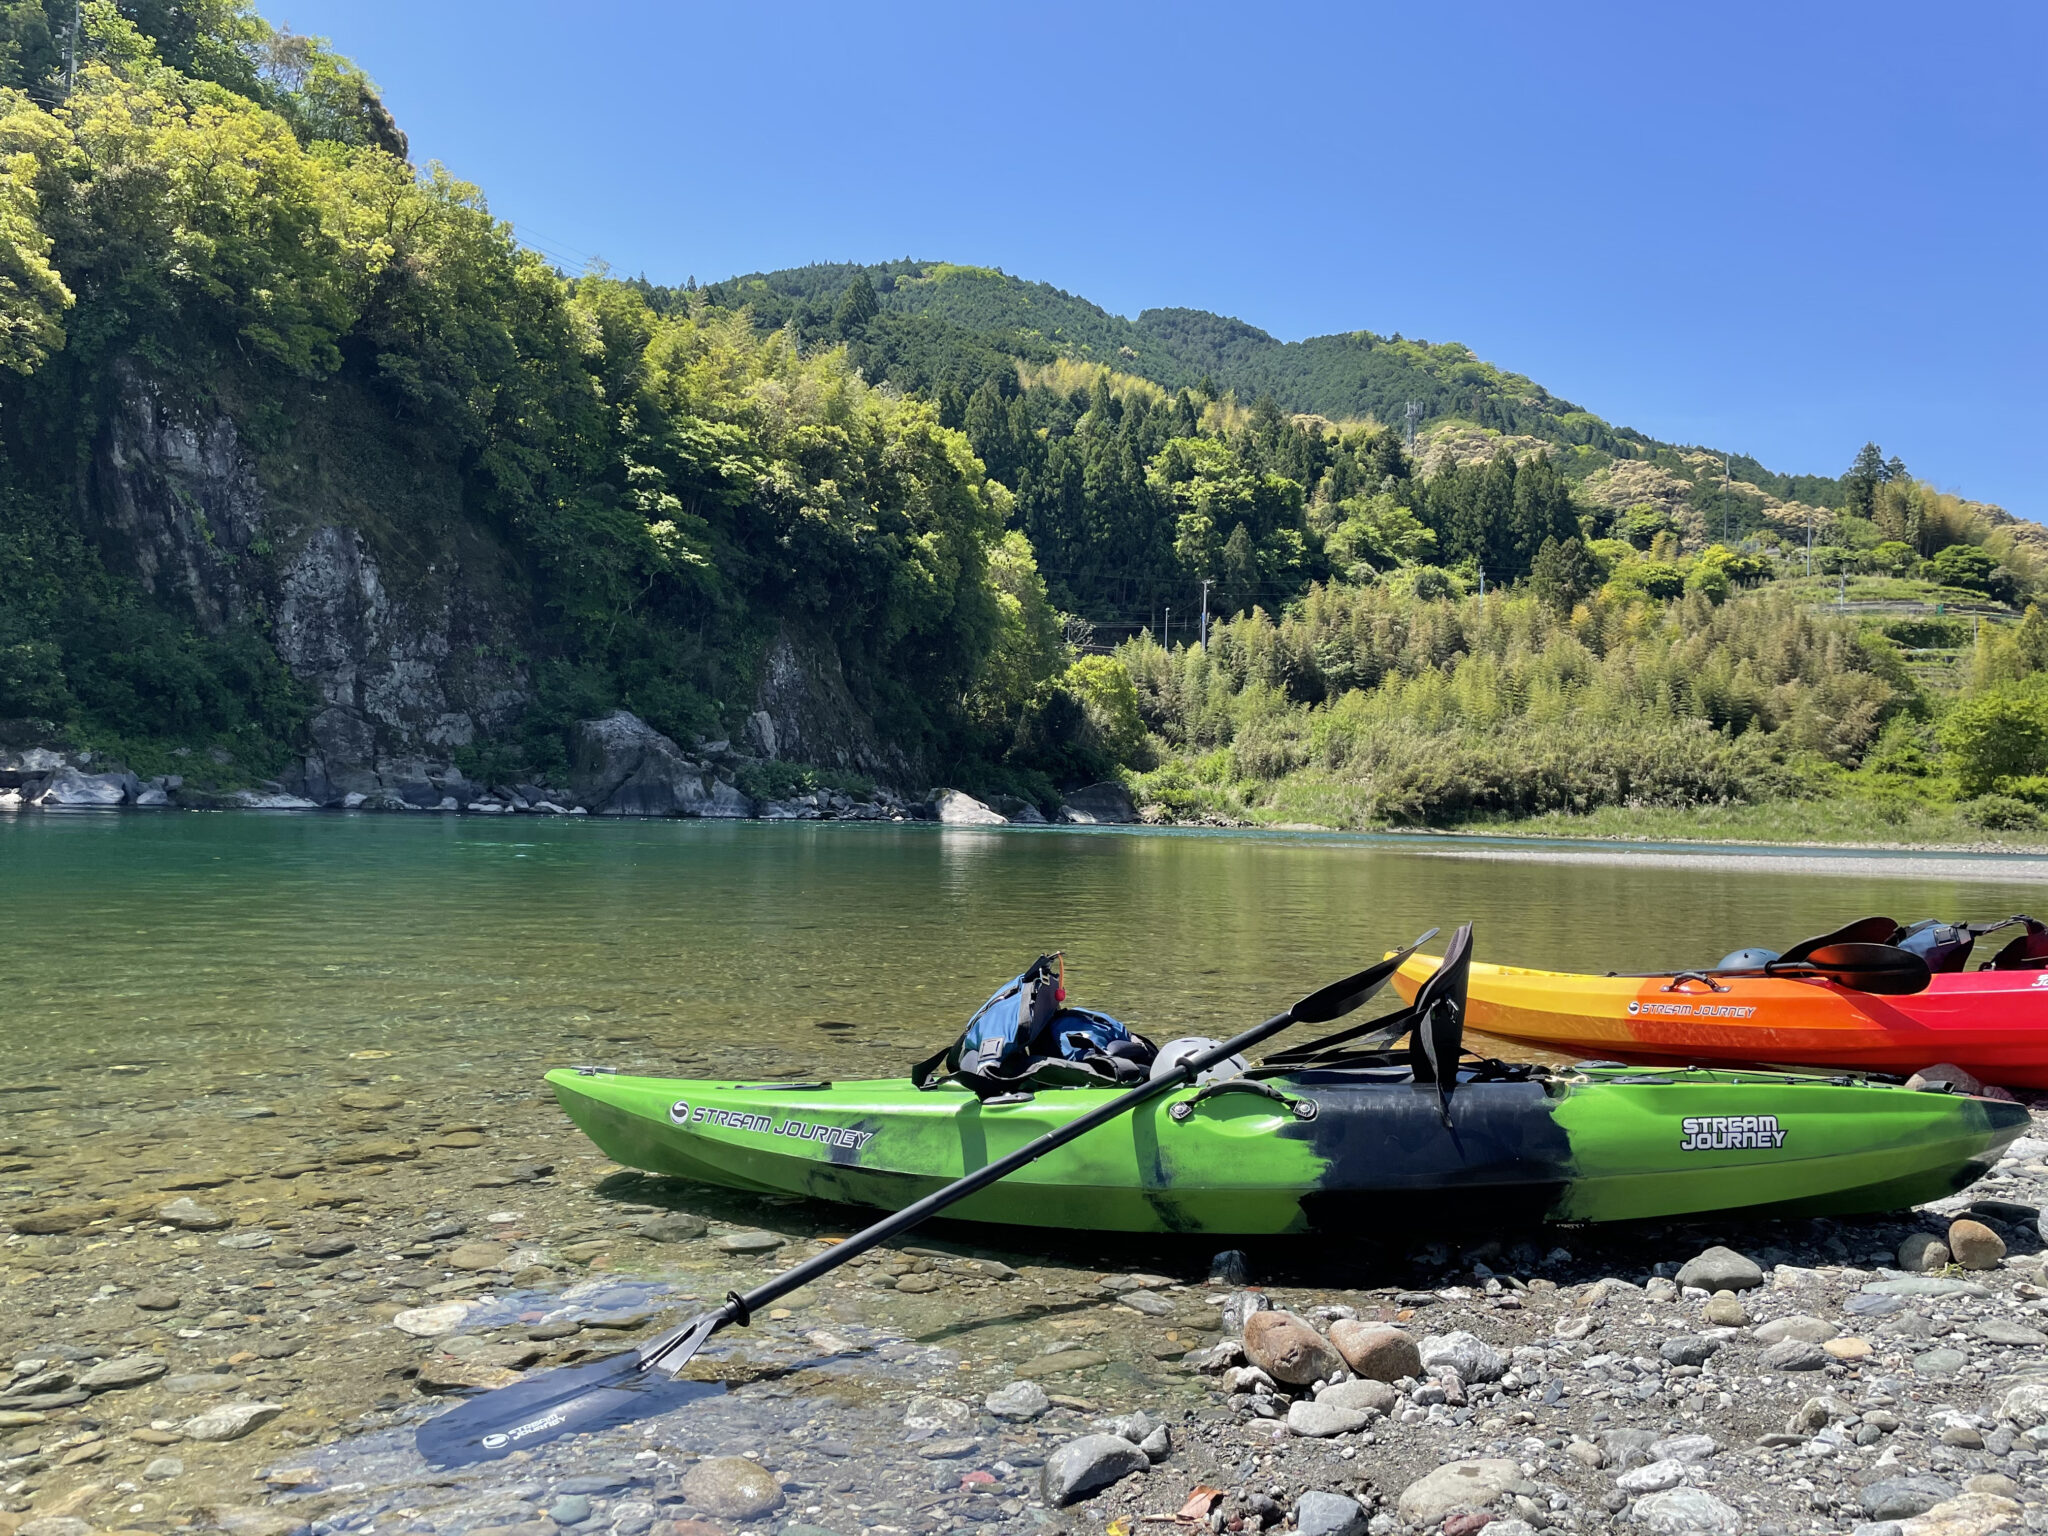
[
  {"x": 1884, "y": 970},
  {"x": 595, "y": 1395}
]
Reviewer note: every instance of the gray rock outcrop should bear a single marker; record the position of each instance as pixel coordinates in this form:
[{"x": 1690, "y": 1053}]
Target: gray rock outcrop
[
  {"x": 959, "y": 809},
  {"x": 625, "y": 767},
  {"x": 812, "y": 715},
  {"x": 1099, "y": 805},
  {"x": 68, "y": 787}
]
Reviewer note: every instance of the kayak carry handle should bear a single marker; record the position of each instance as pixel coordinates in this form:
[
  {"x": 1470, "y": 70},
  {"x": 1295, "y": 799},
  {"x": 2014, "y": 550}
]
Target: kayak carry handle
[
  {"x": 1673, "y": 985},
  {"x": 1300, "y": 1108}
]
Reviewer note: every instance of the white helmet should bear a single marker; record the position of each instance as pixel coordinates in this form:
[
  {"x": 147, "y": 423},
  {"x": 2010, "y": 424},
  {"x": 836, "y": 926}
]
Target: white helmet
[{"x": 1174, "y": 1052}]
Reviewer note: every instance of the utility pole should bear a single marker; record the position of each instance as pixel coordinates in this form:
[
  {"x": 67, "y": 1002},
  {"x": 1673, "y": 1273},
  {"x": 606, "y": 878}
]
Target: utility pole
[
  {"x": 1205, "y": 613},
  {"x": 1414, "y": 415},
  {"x": 1482, "y": 582},
  {"x": 71, "y": 50},
  {"x": 1167, "y": 630}
]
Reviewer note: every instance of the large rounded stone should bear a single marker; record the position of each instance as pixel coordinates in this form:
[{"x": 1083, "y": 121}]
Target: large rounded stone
[
  {"x": 1361, "y": 1396},
  {"x": 1975, "y": 1245},
  {"x": 1813, "y": 1330},
  {"x": 940, "y": 1415},
  {"x": 1020, "y": 1401},
  {"x": 432, "y": 1322},
  {"x": 189, "y": 1214},
  {"x": 1900, "y": 1498},
  {"x": 1375, "y": 1351},
  {"x": 1465, "y": 1355},
  {"x": 1978, "y": 1512},
  {"x": 1460, "y": 1485},
  {"x": 1317, "y": 1513},
  {"x": 1686, "y": 1512},
  {"x": 1323, "y": 1420},
  {"x": 1724, "y": 1311},
  {"x": 1688, "y": 1349},
  {"x": 123, "y": 1372},
  {"x": 1922, "y": 1253},
  {"x": 1653, "y": 1477},
  {"x": 1093, "y": 1462},
  {"x": 1721, "y": 1269},
  {"x": 477, "y": 1256},
  {"x": 732, "y": 1486},
  {"x": 1288, "y": 1349},
  {"x": 2026, "y": 1404},
  {"x": 1793, "y": 1355}
]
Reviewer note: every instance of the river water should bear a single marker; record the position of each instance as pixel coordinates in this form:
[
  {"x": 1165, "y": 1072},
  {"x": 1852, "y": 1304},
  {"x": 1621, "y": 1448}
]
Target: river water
[
  {"x": 266, "y": 1080},
  {"x": 215, "y": 947}
]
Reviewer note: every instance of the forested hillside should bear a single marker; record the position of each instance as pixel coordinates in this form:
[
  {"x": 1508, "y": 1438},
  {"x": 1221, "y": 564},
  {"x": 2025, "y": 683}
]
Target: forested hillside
[{"x": 309, "y": 469}]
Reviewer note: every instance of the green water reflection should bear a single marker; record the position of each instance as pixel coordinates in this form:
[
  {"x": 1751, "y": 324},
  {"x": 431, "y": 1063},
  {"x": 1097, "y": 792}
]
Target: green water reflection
[{"x": 223, "y": 945}]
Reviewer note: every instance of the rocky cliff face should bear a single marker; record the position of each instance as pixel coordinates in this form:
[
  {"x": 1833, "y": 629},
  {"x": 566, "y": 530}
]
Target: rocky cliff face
[
  {"x": 806, "y": 713},
  {"x": 408, "y": 620},
  {"x": 403, "y": 617}
]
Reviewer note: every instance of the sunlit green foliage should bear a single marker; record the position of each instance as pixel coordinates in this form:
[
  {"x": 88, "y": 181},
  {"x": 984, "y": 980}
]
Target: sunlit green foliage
[{"x": 1442, "y": 708}]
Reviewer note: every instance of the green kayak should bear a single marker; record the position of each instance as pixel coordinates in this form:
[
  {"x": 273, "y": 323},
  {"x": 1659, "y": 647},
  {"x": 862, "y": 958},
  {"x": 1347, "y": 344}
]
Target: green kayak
[{"x": 1323, "y": 1149}]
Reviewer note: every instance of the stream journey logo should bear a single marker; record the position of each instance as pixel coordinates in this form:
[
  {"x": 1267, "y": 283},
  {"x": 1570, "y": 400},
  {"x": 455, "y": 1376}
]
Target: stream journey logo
[
  {"x": 1725, "y": 1133},
  {"x": 1694, "y": 1010},
  {"x": 683, "y": 1113}
]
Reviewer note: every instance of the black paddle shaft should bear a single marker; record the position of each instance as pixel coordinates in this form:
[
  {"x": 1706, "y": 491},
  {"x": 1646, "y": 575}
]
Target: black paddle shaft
[{"x": 1332, "y": 1002}]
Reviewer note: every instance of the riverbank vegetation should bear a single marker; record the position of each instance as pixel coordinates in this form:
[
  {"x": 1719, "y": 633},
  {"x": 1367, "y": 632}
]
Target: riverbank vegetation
[{"x": 1048, "y": 545}]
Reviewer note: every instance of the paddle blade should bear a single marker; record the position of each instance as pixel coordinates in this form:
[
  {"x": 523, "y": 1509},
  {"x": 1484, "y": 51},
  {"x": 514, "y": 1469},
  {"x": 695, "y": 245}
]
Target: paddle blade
[
  {"x": 1341, "y": 997},
  {"x": 1440, "y": 1019},
  {"x": 573, "y": 1399},
  {"x": 1884, "y": 970},
  {"x": 480, "y": 1430},
  {"x": 1865, "y": 930}
]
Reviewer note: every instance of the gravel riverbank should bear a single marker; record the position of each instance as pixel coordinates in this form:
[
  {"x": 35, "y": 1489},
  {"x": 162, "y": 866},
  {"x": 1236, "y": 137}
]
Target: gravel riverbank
[{"x": 240, "y": 1332}]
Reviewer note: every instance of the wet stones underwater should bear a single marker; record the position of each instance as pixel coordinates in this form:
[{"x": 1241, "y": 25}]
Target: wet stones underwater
[{"x": 226, "y": 1312}]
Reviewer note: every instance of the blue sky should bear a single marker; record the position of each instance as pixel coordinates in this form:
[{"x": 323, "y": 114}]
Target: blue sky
[{"x": 1780, "y": 229}]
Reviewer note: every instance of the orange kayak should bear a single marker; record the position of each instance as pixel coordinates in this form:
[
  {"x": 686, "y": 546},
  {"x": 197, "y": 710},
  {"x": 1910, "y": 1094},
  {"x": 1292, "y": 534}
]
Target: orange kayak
[{"x": 1992, "y": 1024}]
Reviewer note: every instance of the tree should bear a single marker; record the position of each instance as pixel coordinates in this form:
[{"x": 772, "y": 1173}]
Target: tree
[
  {"x": 1656, "y": 579},
  {"x": 29, "y": 51},
  {"x": 1240, "y": 571},
  {"x": 2032, "y": 639},
  {"x": 1564, "y": 573},
  {"x": 2001, "y": 733},
  {"x": 1710, "y": 579},
  {"x": 1965, "y": 566},
  {"x": 857, "y": 307},
  {"x": 1894, "y": 470},
  {"x": 1377, "y": 533},
  {"x": 1103, "y": 685},
  {"x": 1863, "y": 479},
  {"x": 1028, "y": 646},
  {"x": 1641, "y": 523},
  {"x": 1543, "y": 511}
]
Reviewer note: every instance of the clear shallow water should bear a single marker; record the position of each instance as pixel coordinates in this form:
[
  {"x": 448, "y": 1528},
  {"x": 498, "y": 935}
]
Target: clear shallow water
[{"x": 210, "y": 948}]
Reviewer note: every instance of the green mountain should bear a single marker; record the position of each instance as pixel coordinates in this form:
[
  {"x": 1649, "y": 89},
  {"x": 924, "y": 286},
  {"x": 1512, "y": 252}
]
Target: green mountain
[{"x": 1350, "y": 376}]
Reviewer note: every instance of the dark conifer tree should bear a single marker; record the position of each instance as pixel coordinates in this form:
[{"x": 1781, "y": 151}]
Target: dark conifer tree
[
  {"x": 1863, "y": 479},
  {"x": 857, "y": 307}
]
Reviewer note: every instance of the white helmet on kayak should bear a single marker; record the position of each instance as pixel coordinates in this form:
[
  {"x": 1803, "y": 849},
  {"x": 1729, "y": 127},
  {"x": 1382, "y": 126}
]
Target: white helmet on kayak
[{"x": 1174, "y": 1052}]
